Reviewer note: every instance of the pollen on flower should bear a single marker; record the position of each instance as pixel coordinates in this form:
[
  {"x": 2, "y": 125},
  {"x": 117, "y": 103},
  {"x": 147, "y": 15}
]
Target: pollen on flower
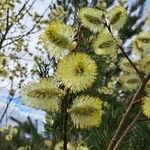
[
  {"x": 43, "y": 95},
  {"x": 77, "y": 71},
  {"x": 86, "y": 112},
  {"x": 91, "y": 18},
  {"x": 57, "y": 39},
  {"x": 117, "y": 17}
]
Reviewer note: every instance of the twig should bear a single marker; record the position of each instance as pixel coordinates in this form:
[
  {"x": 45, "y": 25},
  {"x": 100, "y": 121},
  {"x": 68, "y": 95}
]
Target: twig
[
  {"x": 125, "y": 116},
  {"x": 65, "y": 119},
  {"x": 31, "y": 31},
  {"x": 139, "y": 100},
  {"x": 79, "y": 34},
  {"x": 133, "y": 65},
  {"x": 122, "y": 50},
  {"x": 9, "y": 102},
  {"x": 127, "y": 130}
]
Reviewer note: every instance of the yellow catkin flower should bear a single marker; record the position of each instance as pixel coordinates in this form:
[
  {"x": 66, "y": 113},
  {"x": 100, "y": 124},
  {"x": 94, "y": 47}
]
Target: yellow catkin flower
[
  {"x": 91, "y": 18},
  {"x": 117, "y": 17},
  {"x": 57, "y": 38},
  {"x": 28, "y": 147},
  {"x": 146, "y": 106},
  {"x": 141, "y": 43},
  {"x": 86, "y": 112},
  {"x": 129, "y": 81},
  {"x": 82, "y": 148},
  {"x": 8, "y": 137},
  {"x": 104, "y": 44},
  {"x": 59, "y": 146},
  {"x": 42, "y": 95},
  {"x": 70, "y": 146},
  {"x": 145, "y": 63},
  {"x": 77, "y": 71},
  {"x": 126, "y": 66},
  {"x": 101, "y": 4},
  {"x": 48, "y": 143}
]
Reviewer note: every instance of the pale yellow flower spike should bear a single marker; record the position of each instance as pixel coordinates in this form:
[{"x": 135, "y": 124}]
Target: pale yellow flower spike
[
  {"x": 70, "y": 146},
  {"x": 129, "y": 81},
  {"x": 86, "y": 112},
  {"x": 57, "y": 38},
  {"x": 141, "y": 43},
  {"x": 117, "y": 17},
  {"x": 42, "y": 95},
  {"x": 59, "y": 146},
  {"x": 126, "y": 66},
  {"x": 145, "y": 63},
  {"x": 104, "y": 44},
  {"x": 91, "y": 18},
  {"x": 77, "y": 71},
  {"x": 146, "y": 106}
]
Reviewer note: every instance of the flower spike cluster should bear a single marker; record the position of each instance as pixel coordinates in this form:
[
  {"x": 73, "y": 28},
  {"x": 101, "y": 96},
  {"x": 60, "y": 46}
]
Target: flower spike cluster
[
  {"x": 145, "y": 64},
  {"x": 141, "y": 43},
  {"x": 57, "y": 38},
  {"x": 117, "y": 17},
  {"x": 128, "y": 77},
  {"x": 77, "y": 71},
  {"x": 104, "y": 44},
  {"x": 86, "y": 112},
  {"x": 91, "y": 18},
  {"x": 42, "y": 95}
]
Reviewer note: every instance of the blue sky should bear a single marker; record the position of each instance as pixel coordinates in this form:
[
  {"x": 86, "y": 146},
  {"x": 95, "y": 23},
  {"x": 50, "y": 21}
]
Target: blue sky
[{"x": 20, "y": 112}]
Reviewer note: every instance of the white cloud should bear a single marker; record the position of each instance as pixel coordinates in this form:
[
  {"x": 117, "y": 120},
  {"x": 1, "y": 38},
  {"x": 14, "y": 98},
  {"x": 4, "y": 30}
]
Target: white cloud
[{"x": 21, "y": 112}]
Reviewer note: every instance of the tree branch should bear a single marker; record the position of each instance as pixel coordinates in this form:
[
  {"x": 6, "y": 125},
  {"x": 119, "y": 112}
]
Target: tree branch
[
  {"x": 122, "y": 50},
  {"x": 130, "y": 126},
  {"x": 31, "y": 31},
  {"x": 125, "y": 116},
  {"x": 65, "y": 119}
]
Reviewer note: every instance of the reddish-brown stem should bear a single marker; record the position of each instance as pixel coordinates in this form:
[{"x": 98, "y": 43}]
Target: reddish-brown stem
[
  {"x": 79, "y": 35},
  {"x": 127, "y": 57},
  {"x": 65, "y": 117},
  {"x": 127, "y": 130},
  {"x": 122, "y": 124}
]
